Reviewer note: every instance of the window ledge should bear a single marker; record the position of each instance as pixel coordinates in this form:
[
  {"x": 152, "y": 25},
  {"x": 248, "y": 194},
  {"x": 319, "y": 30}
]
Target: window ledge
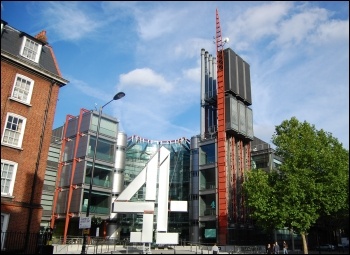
[
  {"x": 19, "y": 101},
  {"x": 11, "y": 146},
  {"x": 7, "y": 196}
]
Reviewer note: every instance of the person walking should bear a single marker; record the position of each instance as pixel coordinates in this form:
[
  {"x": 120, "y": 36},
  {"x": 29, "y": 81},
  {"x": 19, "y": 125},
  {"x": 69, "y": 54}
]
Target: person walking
[
  {"x": 276, "y": 248},
  {"x": 268, "y": 249},
  {"x": 215, "y": 249},
  {"x": 285, "y": 247}
]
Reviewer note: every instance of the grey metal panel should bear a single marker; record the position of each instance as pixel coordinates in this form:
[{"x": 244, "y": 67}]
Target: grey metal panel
[
  {"x": 227, "y": 65},
  {"x": 230, "y": 69},
  {"x": 237, "y": 76},
  {"x": 76, "y": 201},
  {"x": 85, "y": 122},
  {"x": 249, "y": 116},
  {"x": 231, "y": 110},
  {"x": 72, "y": 127},
  {"x": 228, "y": 112},
  {"x": 242, "y": 118},
  {"x": 79, "y": 173},
  {"x": 227, "y": 70},
  {"x": 241, "y": 89},
  {"x": 65, "y": 175},
  {"x": 248, "y": 89},
  {"x": 82, "y": 146},
  {"x": 234, "y": 113},
  {"x": 69, "y": 150},
  {"x": 234, "y": 73},
  {"x": 62, "y": 201}
]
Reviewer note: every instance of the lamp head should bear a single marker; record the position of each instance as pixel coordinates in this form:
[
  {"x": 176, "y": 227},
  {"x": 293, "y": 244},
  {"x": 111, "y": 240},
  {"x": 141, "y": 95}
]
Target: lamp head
[{"x": 119, "y": 95}]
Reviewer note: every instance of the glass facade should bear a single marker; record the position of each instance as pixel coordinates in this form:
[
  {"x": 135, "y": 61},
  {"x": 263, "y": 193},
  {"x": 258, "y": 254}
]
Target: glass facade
[
  {"x": 105, "y": 149},
  {"x": 138, "y": 153},
  {"x": 76, "y": 170}
]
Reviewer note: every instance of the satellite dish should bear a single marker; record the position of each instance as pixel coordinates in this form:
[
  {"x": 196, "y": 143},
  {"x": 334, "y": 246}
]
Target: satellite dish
[{"x": 226, "y": 40}]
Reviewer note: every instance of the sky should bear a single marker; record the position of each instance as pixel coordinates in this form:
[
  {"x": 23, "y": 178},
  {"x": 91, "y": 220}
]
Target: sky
[{"x": 298, "y": 54}]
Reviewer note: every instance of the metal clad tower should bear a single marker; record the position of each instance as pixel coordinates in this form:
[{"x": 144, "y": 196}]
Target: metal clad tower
[{"x": 226, "y": 126}]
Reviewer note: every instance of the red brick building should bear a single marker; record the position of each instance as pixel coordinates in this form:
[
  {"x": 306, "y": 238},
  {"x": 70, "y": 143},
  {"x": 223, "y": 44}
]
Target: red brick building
[{"x": 30, "y": 83}]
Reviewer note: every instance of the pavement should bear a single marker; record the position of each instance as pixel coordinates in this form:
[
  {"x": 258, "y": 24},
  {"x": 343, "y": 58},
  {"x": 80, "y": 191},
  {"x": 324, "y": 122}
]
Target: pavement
[{"x": 120, "y": 249}]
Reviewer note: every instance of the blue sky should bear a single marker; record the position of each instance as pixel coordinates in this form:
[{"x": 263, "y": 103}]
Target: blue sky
[{"x": 298, "y": 54}]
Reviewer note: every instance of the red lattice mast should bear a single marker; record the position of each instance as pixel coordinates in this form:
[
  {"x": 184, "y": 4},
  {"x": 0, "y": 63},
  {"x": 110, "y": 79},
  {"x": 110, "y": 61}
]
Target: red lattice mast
[{"x": 221, "y": 137}]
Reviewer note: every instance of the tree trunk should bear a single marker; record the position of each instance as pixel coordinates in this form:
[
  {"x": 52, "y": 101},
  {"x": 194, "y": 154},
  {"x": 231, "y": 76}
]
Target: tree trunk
[{"x": 303, "y": 237}]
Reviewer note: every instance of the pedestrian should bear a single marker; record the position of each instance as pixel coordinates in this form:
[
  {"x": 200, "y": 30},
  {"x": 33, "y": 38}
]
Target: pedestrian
[
  {"x": 215, "y": 249},
  {"x": 285, "y": 247},
  {"x": 276, "y": 248},
  {"x": 268, "y": 249}
]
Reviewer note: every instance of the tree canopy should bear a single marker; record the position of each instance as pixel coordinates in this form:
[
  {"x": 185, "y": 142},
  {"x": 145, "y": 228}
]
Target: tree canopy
[{"x": 312, "y": 180}]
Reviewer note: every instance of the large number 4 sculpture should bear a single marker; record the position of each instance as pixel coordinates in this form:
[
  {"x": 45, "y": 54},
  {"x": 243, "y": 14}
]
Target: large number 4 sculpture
[{"x": 157, "y": 168}]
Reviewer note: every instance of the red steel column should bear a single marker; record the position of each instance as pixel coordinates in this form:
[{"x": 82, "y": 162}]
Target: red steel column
[{"x": 221, "y": 138}]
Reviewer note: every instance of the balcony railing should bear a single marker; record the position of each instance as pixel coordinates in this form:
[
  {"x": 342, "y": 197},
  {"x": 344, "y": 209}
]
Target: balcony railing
[{"x": 97, "y": 209}]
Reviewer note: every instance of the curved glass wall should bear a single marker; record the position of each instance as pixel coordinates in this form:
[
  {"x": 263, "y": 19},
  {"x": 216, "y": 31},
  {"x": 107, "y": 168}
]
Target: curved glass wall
[{"x": 138, "y": 152}]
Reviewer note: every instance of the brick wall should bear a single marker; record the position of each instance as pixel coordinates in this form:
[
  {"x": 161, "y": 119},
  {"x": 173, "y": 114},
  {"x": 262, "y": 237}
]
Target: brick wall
[{"x": 18, "y": 205}]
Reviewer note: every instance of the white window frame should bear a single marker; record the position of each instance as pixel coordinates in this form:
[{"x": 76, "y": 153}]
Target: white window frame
[
  {"x": 16, "y": 90},
  {"x": 6, "y": 130},
  {"x": 4, "y": 224},
  {"x": 37, "y": 52},
  {"x": 13, "y": 176}
]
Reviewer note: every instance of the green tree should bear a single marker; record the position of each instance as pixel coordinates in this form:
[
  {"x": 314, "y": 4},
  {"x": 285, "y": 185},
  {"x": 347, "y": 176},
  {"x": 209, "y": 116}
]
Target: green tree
[{"x": 312, "y": 180}]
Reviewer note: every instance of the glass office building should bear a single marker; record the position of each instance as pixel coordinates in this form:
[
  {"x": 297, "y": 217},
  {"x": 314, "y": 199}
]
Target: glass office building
[
  {"x": 74, "y": 171},
  {"x": 138, "y": 153}
]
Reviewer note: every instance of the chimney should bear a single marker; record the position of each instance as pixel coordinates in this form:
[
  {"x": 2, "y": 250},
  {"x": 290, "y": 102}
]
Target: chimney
[{"x": 42, "y": 36}]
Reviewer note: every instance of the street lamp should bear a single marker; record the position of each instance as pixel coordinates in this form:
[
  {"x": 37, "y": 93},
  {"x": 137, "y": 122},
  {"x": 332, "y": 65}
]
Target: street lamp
[{"x": 116, "y": 97}]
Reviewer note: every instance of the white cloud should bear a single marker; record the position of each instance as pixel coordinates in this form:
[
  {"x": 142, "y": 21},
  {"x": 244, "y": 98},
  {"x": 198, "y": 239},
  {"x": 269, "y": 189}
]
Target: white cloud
[
  {"x": 158, "y": 23},
  {"x": 298, "y": 54},
  {"x": 69, "y": 21},
  {"x": 255, "y": 23},
  {"x": 297, "y": 29},
  {"x": 331, "y": 32},
  {"x": 145, "y": 77}
]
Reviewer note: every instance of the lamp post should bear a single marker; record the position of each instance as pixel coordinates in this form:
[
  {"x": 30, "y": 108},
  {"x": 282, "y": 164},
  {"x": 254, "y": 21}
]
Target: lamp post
[{"x": 116, "y": 97}]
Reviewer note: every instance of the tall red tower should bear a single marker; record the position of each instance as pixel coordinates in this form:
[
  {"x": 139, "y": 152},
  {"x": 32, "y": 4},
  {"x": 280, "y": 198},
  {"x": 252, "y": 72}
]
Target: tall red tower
[
  {"x": 234, "y": 134},
  {"x": 221, "y": 137}
]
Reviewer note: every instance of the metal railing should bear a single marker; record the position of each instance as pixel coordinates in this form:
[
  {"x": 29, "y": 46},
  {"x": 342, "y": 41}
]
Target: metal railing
[{"x": 20, "y": 242}]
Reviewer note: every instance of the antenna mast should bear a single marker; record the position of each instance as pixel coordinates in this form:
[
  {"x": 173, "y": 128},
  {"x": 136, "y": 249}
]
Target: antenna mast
[{"x": 221, "y": 137}]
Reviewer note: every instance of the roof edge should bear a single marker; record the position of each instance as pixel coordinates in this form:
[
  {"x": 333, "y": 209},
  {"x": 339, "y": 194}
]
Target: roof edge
[{"x": 38, "y": 69}]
